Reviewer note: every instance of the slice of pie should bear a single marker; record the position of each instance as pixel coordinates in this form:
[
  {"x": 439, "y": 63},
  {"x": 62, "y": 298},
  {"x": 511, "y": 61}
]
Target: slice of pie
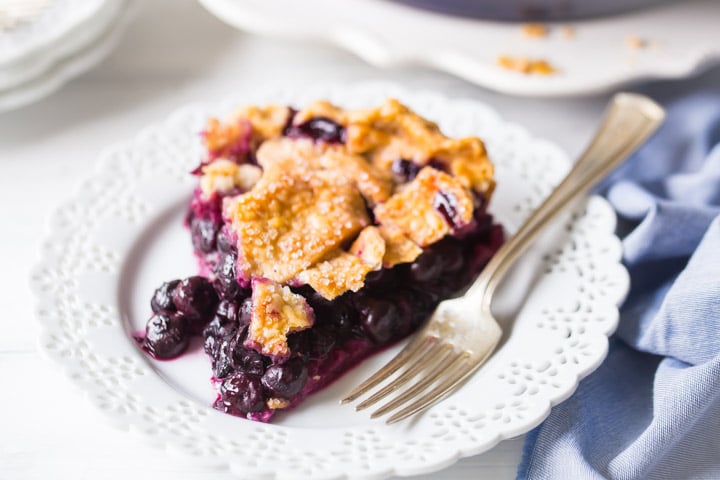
[{"x": 322, "y": 235}]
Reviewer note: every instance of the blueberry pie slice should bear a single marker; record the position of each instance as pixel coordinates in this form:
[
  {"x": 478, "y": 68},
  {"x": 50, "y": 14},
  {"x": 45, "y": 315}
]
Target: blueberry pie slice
[{"x": 322, "y": 235}]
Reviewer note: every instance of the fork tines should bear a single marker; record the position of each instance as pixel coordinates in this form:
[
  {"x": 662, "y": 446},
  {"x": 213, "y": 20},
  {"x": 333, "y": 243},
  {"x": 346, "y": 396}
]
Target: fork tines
[{"x": 436, "y": 363}]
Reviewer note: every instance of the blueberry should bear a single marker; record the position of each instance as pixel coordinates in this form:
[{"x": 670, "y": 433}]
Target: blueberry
[
  {"x": 443, "y": 258},
  {"x": 449, "y": 253},
  {"x": 300, "y": 343},
  {"x": 423, "y": 305},
  {"x": 222, "y": 366},
  {"x": 220, "y": 327},
  {"x": 228, "y": 310},
  {"x": 224, "y": 241},
  {"x": 316, "y": 342},
  {"x": 166, "y": 336},
  {"x": 248, "y": 360},
  {"x": 335, "y": 318},
  {"x": 319, "y": 129},
  {"x": 162, "y": 301},
  {"x": 322, "y": 341},
  {"x": 383, "y": 279},
  {"x": 211, "y": 345},
  {"x": 446, "y": 204},
  {"x": 216, "y": 331},
  {"x": 287, "y": 379},
  {"x": 245, "y": 313},
  {"x": 426, "y": 268},
  {"x": 378, "y": 317},
  {"x": 438, "y": 164},
  {"x": 195, "y": 298},
  {"x": 242, "y": 393},
  {"x": 226, "y": 279},
  {"x": 343, "y": 318},
  {"x": 203, "y": 232},
  {"x": 405, "y": 170}
]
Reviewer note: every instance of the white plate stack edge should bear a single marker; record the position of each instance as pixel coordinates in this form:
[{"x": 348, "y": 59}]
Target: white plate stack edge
[{"x": 45, "y": 43}]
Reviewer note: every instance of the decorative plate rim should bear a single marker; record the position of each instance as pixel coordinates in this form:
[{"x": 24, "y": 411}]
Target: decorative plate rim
[{"x": 118, "y": 380}]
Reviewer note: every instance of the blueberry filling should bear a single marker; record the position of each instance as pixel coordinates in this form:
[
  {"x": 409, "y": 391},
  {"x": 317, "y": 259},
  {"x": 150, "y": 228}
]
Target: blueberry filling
[
  {"x": 393, "y": 303},
  {"x": 405, "y": 170},
  {"x": 203, "y": 232},
  {"x": 379, "y": 319},
  {"x": 446, "y": 204},
  {"x": 438, "y": 164},
  {"x": 225, "y": 278},
  {"x": 320, "y": 129}
]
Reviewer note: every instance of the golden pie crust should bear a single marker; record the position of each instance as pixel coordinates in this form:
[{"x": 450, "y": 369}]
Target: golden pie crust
[{"x": 328, "y": 213}]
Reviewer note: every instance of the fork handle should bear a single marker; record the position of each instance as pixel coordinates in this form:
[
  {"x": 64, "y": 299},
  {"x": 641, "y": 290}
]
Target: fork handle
[{"x": 629, "y": 120}]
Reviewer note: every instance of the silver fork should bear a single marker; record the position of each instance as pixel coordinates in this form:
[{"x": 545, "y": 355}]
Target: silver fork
[{"x": 462, "y": 333}]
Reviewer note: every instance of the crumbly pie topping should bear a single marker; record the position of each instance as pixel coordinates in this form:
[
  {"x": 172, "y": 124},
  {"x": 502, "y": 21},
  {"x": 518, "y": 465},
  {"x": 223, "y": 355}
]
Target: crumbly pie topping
[
  {"x": 224, "y": 175},
  {"x": 245, "y": 126},
  {"x": 277, "y": 403},
  {"x": 415, "y": 210},
  {"x": 305, "y": 213},
  {"x": 398, "y": 247},
  {"x": 277, "y": 312},
  {"x": 223, "y": 139},
  {"x": 370, "y": 247},
  {"x": 341, "y": 272},
  {"x": 291, "y": 220},
  {"x": 527, "y": 66},
  {"x": 535, "y": 30},
  {"x": 392, "y": 131}
]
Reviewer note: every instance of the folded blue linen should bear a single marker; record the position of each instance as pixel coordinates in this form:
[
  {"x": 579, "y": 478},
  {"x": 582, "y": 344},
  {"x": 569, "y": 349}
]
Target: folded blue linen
[{"x": 652, "y": 409}]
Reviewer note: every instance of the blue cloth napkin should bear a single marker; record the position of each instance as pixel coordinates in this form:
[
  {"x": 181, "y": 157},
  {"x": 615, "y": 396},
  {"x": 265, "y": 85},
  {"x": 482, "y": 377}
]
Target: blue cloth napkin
[{"x": 652, "y": 409}]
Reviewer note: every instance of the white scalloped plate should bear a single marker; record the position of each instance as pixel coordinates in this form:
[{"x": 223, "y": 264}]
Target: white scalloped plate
[
  {"x": 683, "y": 39},
  {"x": 121, "y": 235}
]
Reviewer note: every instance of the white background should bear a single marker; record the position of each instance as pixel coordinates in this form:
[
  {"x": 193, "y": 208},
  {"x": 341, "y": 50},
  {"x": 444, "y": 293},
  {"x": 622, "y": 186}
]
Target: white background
[{"x": 173, "y": 53}]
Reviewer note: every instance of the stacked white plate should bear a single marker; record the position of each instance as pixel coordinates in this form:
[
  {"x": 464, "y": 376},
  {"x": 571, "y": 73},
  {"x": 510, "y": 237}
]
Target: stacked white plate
[
  {"x": 45, "y": 43},
  {"x": 674, "y": 39}
]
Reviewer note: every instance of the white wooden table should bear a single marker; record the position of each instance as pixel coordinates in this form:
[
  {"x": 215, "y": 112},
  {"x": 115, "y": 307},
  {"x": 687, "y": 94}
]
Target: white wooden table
[{"x": 174, "y": 53}]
